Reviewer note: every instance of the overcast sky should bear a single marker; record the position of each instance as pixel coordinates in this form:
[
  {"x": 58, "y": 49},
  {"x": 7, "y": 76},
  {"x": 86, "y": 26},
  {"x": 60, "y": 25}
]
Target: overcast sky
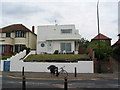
[{"x": 81, "y": 13}]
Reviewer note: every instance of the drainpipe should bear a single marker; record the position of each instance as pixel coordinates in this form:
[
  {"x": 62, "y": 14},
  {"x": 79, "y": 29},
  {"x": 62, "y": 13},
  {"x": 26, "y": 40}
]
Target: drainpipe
[{"x": 28, "y": 39}]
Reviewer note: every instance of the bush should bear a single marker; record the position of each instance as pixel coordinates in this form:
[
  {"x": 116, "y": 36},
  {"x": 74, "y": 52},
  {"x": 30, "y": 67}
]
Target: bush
[
  {"x": 104, "y": 50},
  {"x": 116, "y": 53},
  {"x": 23, "y": 48},
  {"x": 6, "y": 56},
  {"x": 27, "y": 50},
  {"x": 56, "y": 52}
]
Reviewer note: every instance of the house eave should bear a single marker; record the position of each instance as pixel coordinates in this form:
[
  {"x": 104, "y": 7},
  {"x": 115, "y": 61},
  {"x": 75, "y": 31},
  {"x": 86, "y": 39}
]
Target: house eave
[{"x": 64, "y": 39}]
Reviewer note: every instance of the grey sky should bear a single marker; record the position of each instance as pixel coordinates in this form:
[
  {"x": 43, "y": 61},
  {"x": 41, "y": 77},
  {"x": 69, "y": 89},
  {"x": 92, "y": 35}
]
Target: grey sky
[{"x": 82, "y": 14}]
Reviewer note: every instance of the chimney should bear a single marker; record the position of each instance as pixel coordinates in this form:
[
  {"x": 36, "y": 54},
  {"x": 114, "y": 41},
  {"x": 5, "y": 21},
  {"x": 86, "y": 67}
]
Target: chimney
[{"x": 33, "y": 29}]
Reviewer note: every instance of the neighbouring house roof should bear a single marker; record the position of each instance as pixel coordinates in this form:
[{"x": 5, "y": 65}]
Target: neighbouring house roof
[
  {"x": 117, "y": 43},
  {"x": 102, "y": 37},
  {"x": 15, "y": 27}
]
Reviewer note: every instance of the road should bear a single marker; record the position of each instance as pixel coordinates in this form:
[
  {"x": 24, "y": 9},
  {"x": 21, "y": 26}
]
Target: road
[{"x": 9, "y": 82}]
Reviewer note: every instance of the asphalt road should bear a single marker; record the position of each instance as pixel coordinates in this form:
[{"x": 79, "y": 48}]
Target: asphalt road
[{"x": 16, "y": 83}]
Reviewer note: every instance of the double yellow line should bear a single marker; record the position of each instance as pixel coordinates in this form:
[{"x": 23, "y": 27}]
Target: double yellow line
[{"x": 52, "y": 78}]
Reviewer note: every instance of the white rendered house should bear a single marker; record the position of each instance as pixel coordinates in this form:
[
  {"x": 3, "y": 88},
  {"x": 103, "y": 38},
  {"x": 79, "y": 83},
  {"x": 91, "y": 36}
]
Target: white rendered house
[{"x": 64, "y": 38}]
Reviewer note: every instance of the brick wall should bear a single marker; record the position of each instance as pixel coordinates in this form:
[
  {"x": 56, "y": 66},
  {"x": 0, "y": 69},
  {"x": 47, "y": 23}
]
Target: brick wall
[{"x": 90, "y": 52}]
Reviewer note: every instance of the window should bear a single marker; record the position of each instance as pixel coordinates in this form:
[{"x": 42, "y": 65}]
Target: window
[
  {"x": 42, "y": 44},
  {"x": 20, "y": 34},
  {"x": 66, "y": 30},
  {"x": 62, "y": 46},
  {"x": 19, "y": 47},
  {"x": 102, "y": 40},
  {"x": 11, "y": 48},
  {"x": 2, "y": 49},
  {"x": 66, "y": 47},
  {"x": 8, "y": 34}
]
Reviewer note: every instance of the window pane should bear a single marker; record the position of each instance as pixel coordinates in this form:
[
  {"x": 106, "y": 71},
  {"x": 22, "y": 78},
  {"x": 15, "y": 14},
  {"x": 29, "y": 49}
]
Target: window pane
[
  {"x": 66, "y": 30},
  {"x": 3, "y": 49},
  {"x": 19, "y": 34},
  {"x": 68, "y": 47},
  {"x": 7, "y": 34},
  {"x": 16, "y": 34},
  {"x": 22, "y": 34},
  {"x": 0, "y": 49},
  {"x": 62, "y": 46},
  {"x": 19, "y": 47},
  {"x": 16, "y": 48}
]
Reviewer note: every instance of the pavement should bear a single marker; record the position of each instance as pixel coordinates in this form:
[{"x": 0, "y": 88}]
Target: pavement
[{"x": 71, "y": 76}]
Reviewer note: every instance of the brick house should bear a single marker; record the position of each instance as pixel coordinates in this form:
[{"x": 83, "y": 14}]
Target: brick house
[
  {"x": 14, "y": 37},
  {"x": 103, "y": 38}
]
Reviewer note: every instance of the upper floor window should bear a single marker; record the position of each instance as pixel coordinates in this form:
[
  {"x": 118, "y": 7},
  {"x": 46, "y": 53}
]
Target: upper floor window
[
  {"x": 8, "y": 34},
  {"x": 19, "y": 34},
  {"x": 102, "y": 40},
  {"x": 66, "y": 30}
]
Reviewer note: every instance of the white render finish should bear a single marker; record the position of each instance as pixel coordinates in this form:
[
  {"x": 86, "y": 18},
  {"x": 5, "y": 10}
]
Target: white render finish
[
  {"x": 52, "y": 37},
  {"x": 16, "y": 65}
]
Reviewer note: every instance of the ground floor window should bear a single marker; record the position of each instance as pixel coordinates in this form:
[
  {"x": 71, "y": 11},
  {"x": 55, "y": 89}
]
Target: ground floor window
[
  {"x": 19, "y": 47},
  {"x": 65, "y": 46},
  {"x": 2, "y": 49},
  {"x": 6, "y": 49}
]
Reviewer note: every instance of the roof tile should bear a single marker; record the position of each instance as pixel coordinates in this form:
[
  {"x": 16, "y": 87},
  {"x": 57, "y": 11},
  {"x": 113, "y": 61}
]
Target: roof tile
[
  {"x": 103, "y": 37},
  {"x": 15, "y": 27}
]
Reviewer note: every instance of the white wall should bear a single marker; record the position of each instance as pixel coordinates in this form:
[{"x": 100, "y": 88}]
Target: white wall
[
  {"x": 50, "y": 31},
  {"x": 82, "y": 66},
  {"x": 15, "y": 61},
  {"x": 16, "y": 65},
  {"x": 53, "y": 33}
]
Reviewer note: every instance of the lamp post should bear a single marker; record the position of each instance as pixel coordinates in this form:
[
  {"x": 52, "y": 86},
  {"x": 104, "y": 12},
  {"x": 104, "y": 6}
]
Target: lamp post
[{"x": 99, "y": 63}]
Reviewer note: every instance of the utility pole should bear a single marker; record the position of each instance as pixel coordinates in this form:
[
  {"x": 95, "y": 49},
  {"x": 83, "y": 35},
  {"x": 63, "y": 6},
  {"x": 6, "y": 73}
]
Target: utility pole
[{"x": 99, "y": 61}]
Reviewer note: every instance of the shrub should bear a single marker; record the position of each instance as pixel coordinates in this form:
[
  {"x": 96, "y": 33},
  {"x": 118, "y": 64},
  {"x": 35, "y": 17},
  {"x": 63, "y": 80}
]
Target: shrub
[
  {"x": 6, "y": 56},
  {"x": 27, "y": 50},
  {"x": 103, "y": 51},
  {"x": 116, "y": 53},
  {"x": 56, "y": 52}
]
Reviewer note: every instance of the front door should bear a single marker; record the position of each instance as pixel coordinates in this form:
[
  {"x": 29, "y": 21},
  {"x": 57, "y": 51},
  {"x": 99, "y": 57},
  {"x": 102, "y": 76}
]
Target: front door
[{"x": 6, "y": 66}]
